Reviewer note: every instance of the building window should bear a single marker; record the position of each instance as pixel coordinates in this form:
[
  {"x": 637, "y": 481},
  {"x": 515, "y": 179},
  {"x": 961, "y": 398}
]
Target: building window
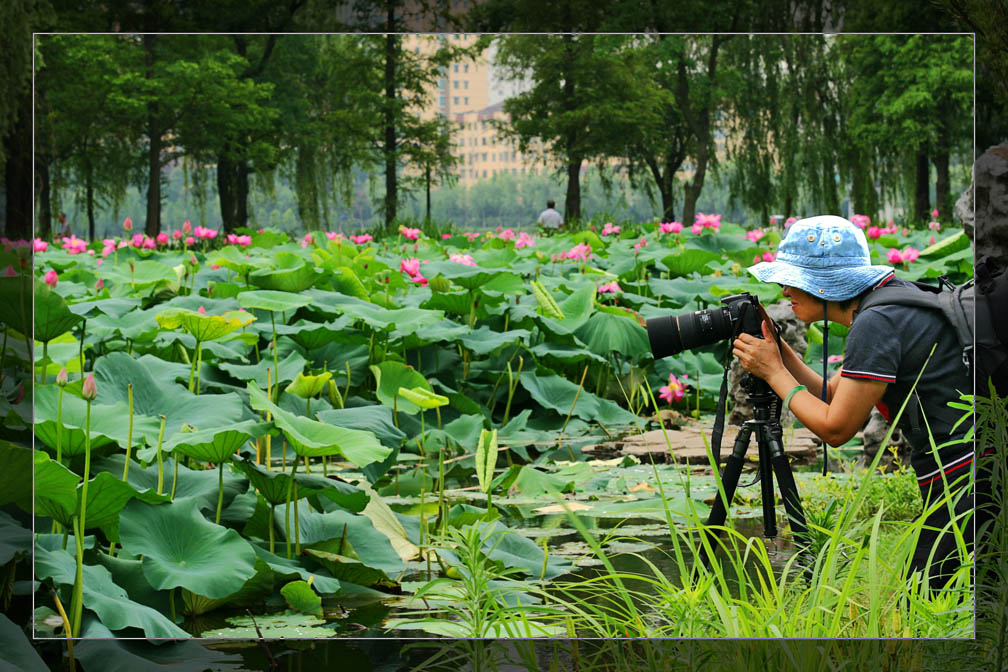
[
  {"x": 441, "y": 100},
  {"x": 456, "y": 67},
  {"x": 455, "y": 100},
  {"x": 465, "y": 84},
  {"x": 493, "y": 157},
  {"x": 465, "y": 68},
  {"x": 455, "y": 84},
  {"x": 484, "y": 140},
  {"x": 484, "y": 173},
  {"x": 467, "y": 100},
  {"x": 514, "y": 171},
  {"x": 484, "y": 156}
]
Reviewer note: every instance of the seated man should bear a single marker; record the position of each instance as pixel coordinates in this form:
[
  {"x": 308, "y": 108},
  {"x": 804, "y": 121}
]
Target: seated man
[{"x": 550, "y": 219}]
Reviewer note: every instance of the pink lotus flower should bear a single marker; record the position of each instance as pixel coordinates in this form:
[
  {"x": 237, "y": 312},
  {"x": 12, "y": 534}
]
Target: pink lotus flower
[
  {"x": 176, "y": 234},
  {"x": 62, "y": 378},
  {"x": 127, "y": 224},
  {"x": 89, "y": 390},
  {"x": 524, "y": 240},
  {"x": 580, "y": 252},
  {"x": 121, "y": 244},
  {"x": 708, "y": 221},
  {"x": 410, "y": 266},
  {"x": 148, "y": 243},
  {"x": 934, "y": 213},
  {"x": 361, "y": 239},
  {"x": 906, "y": 231},
  {"x": 445, "y": 236},
  {"x": 773, "y": 221},
  {"x": 696, "y": 229},
  {"x": 507, "y": 234},
  {"x": 40, "y": 245},
  {"x": 609, "y": 288},
  {"x": 10, "y": 272},
  {"x": 931, "y": 240},
  {"x": 834, "y": 359},
  {"x": 235, "y": 239},
  {"x": 100, "y": 285},
  {"x": 205, "y": 233},
  {"x": 51, "y": 278},
  {"x": 768, "y": 256},
  {"x": 873, "y": 232},
  {"x": 419, "y": 279},
  {"x": 639, "y": 244},
  {"x": 162, "y": 238},
  {"x": 189, "y": 240},
  {"x": 410, "y": 233},
  {"x": 137, "y": 240},
  {"x": 74, "y": 245},
  {"x": 910, "y": 254},
  {"x": 186, "y": 227},
  {"x": 670, "y": 227},
  {"x": 755, "y": 234},
  {"x": 934, "y": 226},
  {"x": 860, "y": 221},
  {"x": 471, "y": 235},
  {"x": 201, "y": 311},
  {"x": 610, "y": 229},
  {"x": 894, "y": 256},
  {"x": 674, "y": 391},
  {"x": 789, "y": 221},
  {"x": 334, "y": 236},
  {"x": 464, "y": 259}
]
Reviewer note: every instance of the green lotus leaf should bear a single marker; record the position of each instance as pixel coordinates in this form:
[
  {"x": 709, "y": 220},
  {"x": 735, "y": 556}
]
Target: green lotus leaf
[
  {"x": 276, "y": 626},
  {"x": 16, "y": 475},
  {"x": 107, "y": 424},
  {"x": 694, "y": 294},
  {"x": 15, "y": 539},
  {"x": 562, "y": 395},
  {"x": 376, "y": 419},
  {"x": 719, "y": 243},
  {"x": 230, "y": 257},
  {"x": 485, "y": 341},
  {"x": 272, "y": 485},
  {"x": 153, "y": 397},
  {"x": 181, "y": 548},
  {"x": 16, "y": 297},
  {"x": 301, "y": 598},
  {"x": 285, "y": 568},
  {"x": 345, "y": 281},
  {"x": 565, "y": 353},
  {"x": 311, "y": 438},
  {"x": 112, "y": 655},
  {"x": 486, "y": 458},
  {"x": 289, "y": 367},
  {"x": 390, "y": 376},
  {"x": 52, "y": 316},
  {"x": 467, "y": 277},
  {"x": 513, "y": 550},
  {"x": 547, "y": 304},
  {"x": 309, "y": 386},
  {"x": 425, "y": 399},
  {"x": 55, "y": 482},
  {"x": 102, "y": 596},
  {"x": 291, "y": 273},
  {"x": 267, "y": 299},
  {"x": 255, "y": 590},
  {"x": 214, "y": 445},
  {"x": 527, "y": 480},
  {"x": 204, "y": 327},
  {"x": 689, "y": 261},
  {"x": 18, "y": 653},
  {"x": 605, "y": 332},
  {"x": 350, "y": 570},
  {"x": 145, "y": 274}
]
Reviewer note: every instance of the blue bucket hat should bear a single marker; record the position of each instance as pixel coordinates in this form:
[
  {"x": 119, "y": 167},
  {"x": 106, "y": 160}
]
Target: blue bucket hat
[{"x": 826, "y": 256}]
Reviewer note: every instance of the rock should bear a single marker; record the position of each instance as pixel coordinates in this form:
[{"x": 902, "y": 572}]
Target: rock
[
  {"x": 990, "y": 201},
  {"x": 793, "y": 333}
]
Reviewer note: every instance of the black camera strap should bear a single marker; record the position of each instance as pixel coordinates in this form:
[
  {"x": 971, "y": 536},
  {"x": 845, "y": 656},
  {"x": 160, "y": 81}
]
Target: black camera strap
[
  {"x": 718, "y": 431},
  {"x": 825, "y": 364}
]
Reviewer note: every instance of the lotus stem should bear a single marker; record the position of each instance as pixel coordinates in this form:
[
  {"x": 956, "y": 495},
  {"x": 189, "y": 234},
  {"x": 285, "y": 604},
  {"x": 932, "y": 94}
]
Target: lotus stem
[
  {"x": 199, "y": 364},
  {"x": 220, "y": 491},
  {"x": 171, "y": 603},
  {"x": 269, "y": 437},
  {"x": 3, "y": 354},
  {"x": 272, "y": 524},
  {"x": 192, "y": 368},
  {"x": 59, "y": 425},
  {"x": 571, "y": 411},
  {"x": 77, "y": 602},
  {"x": 174, "y": 477},
  {"x": 346, "y": 393},
  {"x": 442, "y": 514},
  {"x": 160, "y": 460},
  {"x": 290, "y": 489},
  {"x": 67, "y": 630},
  {"x": 129, "y": 435},
  {"x": 512, "y": 386},
  {"x": 276, "y": 359},
  {"x": 45, "y": 357},
  {"x": 297, "y": 517}
]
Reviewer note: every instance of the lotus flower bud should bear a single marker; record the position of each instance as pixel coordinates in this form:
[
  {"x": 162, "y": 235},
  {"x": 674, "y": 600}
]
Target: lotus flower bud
[
  {"x": 89, "y": 390},
  {"x": 62, "y": 378}
]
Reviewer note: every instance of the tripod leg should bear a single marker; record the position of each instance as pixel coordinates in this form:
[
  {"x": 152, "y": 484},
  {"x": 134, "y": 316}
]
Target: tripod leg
[
  {"x": 764, "y": 442},
  {"x": 730, "y": 476},
  {"x": 788, "y": 487}
]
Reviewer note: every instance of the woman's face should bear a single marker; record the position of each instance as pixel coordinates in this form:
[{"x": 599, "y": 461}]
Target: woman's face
[{"x": 806, "y": 307}]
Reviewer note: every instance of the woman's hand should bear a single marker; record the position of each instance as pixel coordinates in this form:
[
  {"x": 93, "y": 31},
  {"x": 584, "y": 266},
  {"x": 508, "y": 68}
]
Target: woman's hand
[{"x": 758, "y": 356}]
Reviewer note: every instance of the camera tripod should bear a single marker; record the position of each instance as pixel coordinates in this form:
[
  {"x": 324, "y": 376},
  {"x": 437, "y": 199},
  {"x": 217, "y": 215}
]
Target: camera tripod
[{"x": 772, "y": 462}]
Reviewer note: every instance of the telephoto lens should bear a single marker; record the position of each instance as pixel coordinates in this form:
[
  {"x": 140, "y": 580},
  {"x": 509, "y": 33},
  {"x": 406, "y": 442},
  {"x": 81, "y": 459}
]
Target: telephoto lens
[{"x": 671, "y": 334}]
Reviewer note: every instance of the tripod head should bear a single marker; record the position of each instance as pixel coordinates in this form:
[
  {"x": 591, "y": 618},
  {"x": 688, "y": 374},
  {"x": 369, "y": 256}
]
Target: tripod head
[{"x": 765, "y": 402}]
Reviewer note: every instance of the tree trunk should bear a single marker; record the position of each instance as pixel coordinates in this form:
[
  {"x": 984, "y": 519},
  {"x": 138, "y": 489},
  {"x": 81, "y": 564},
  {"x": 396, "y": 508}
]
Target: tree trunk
[
  {"x": 18, "y": 173},
  {"x": 153, "y": 224},
  {"x": 943, "y": 199},
  {"x": 572, "y": 202},
  {"x": 89, "y": 196},
  {"x": 427, "y": 175},
  {"x": 226, "y": 192},
  {"x": 788, "y": 205},
  {"x": 391, "y": 181},
  {"x": 305, "y": 188},
  {"x": 922, "y": 198},
  {"x": 694, "y": 187},
  {"x": 45, "y": 193},
  {"x": 241, "y": 194}
]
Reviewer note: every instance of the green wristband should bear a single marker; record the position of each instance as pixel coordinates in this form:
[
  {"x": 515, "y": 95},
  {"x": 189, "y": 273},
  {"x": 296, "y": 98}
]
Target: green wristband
[{"x": 787, "y": 399}]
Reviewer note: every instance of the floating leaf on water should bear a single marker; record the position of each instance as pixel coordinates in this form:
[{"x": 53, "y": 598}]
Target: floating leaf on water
[
  {"x": 301, "y": 598},
  {"x": 286, "y": 625}
]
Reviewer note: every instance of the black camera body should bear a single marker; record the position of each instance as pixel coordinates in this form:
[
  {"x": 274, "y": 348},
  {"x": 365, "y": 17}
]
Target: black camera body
[{"x": 671, "y": 334}]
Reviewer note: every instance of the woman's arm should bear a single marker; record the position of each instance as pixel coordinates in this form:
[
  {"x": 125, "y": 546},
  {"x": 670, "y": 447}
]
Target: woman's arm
[{"x": 802, "y": 372}]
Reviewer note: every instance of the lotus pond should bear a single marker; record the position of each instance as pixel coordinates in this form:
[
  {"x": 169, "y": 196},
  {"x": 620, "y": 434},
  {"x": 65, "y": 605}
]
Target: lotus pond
[{"x": 337, "y": 436}]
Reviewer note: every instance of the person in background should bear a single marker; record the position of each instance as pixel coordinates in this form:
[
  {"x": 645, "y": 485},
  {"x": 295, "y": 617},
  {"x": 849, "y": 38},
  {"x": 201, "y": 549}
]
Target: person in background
[{"x": 550, "y": 219}]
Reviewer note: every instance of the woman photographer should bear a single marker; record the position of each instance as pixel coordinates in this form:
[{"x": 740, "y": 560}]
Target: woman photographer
[{"x": 825, "y": 269}]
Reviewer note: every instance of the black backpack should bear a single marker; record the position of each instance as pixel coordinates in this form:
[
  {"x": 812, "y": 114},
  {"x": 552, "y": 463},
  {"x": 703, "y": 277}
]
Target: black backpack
[{"x": 981, "y": 330}]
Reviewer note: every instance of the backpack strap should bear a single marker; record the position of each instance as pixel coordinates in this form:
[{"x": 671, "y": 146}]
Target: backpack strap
[{"x": 952, "y": 304}]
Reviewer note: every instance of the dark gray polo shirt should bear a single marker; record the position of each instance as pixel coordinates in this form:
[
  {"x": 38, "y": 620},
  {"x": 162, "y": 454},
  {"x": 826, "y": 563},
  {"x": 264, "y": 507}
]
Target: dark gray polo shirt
[{"x": 891, "y": 343}]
